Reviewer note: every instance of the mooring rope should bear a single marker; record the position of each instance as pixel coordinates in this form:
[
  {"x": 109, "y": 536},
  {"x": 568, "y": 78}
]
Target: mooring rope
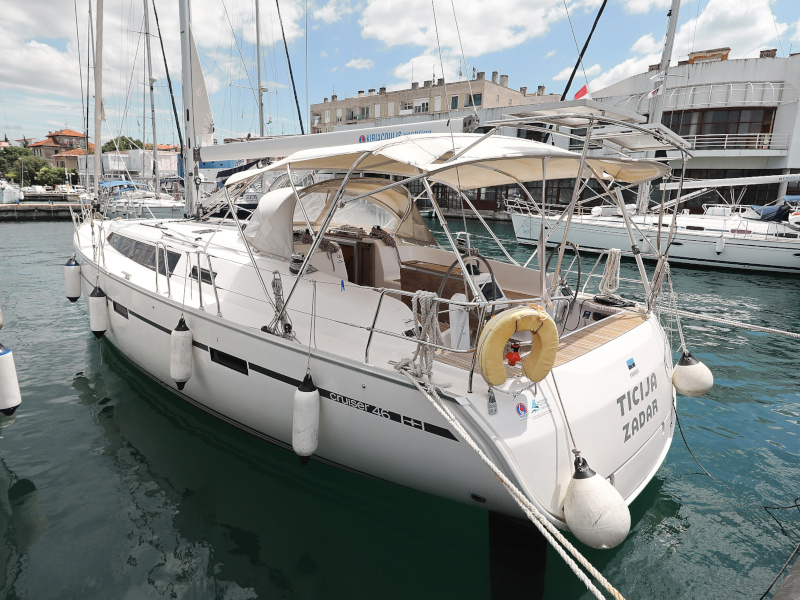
[
  {"x": 702, "y": 317},
  {"x": 418, "y": 370},
  {"x": 610, "y": 281}
]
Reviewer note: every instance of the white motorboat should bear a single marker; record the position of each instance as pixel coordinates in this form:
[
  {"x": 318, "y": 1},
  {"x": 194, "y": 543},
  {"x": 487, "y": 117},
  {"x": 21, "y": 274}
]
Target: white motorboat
[
  {"x": 335, "y": 306},
  {"x": 10, "y": 193}
]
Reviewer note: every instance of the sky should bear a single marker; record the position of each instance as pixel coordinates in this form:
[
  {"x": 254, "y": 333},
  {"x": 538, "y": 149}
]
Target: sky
[{"x": 341, "y": 47}]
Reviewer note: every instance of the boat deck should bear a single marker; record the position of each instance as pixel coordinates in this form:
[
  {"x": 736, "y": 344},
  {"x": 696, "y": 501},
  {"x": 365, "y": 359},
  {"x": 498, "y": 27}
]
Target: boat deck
[{"x": 570, "y": 347}]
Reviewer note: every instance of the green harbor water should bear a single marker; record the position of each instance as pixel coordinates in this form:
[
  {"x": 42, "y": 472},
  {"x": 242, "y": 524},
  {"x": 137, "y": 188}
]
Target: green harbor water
[{"x": 111, "y": 487}]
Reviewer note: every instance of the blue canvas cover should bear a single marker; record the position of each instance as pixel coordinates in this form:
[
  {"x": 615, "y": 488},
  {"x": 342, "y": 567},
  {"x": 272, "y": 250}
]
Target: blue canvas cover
[{"x": 771, "y": 213}]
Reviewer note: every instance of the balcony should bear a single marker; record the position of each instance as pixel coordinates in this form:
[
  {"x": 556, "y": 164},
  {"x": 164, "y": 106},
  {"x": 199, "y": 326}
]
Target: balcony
[{"x": 739, "y": 141}]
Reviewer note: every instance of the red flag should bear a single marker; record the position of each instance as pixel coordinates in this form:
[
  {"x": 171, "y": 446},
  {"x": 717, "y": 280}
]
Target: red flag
[{"x": 584, "y": 91}]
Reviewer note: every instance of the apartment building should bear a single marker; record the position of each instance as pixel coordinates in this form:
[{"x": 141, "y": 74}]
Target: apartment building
[{"x": 432, "y": 100}]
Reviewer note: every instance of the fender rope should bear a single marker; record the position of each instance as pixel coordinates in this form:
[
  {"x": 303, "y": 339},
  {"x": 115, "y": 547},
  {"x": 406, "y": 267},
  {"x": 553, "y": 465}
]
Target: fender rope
[{"x": 418, "y": 370}]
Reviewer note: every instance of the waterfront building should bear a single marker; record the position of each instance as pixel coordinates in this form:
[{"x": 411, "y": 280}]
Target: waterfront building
[
  {"x": 57, "y": 142},
  {"x": 739, "y": 116}
]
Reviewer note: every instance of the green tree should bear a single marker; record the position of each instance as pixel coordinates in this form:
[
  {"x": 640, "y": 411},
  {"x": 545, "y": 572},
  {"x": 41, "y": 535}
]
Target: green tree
[
  {"x": 25, "y": 169},
  {"x": 123, "y": 142},
  {"x": 49, "y": 176},
  {"x": 10, "y": 155}
]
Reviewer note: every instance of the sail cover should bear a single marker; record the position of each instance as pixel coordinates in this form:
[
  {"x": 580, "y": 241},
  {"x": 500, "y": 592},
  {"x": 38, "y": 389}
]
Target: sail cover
[{"x": 270, "y": 228}]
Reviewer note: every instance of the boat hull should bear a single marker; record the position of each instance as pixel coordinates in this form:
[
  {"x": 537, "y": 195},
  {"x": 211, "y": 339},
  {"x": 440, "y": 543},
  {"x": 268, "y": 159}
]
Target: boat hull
[
  {"x": 373, "y": 421},
  {"x": 598, "y": 234}
]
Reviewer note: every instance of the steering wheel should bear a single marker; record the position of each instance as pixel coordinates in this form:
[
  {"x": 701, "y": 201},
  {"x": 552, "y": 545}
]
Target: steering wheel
[{"x": 466, "y": 258}]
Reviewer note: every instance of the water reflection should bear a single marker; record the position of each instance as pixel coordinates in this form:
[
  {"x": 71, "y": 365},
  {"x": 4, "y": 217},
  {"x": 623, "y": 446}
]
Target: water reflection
[
  {"x": 21, "y": 524},
  {"x": 214, "y": 511}
]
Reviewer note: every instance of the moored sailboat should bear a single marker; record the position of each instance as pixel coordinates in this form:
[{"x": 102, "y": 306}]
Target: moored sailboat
[{"x": 333, "y": 324}]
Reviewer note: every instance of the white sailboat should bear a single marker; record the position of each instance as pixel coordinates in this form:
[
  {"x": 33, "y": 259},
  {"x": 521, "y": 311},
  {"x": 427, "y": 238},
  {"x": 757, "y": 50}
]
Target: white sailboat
[
  {"x": 333, "y": 324},
  {"x": 723, "y": 236}
]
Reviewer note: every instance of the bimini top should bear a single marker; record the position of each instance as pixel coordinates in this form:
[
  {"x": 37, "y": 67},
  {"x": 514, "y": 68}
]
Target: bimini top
[
  {"x": 469, "y": 161},
  {"x": 480, "y": 161}
]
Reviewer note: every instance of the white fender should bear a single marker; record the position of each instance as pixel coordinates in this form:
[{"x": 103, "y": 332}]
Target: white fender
[
  {"x": 594, "y": 510},
  {"x": 180, "y": 354},
  {"x": 10, "y": 397},
  {"x": 305, "y": 418},
  {"x": 98, "y": 312},
  {"x": 459, "y": 324},
  {"x": 691, "y": 377},
  {"x": 720, "y": 245},
  {"x": 72, "y": 280}
]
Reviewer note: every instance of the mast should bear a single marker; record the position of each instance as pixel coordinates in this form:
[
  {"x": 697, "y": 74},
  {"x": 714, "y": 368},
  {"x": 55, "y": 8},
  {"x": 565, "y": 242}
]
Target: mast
[
  {"x": 657, "y": 101},
  {"x": 151, "y": 80},
  {"x": 98, "y": 99},
  {"x": 190, "y": 179},
  {"x": 258, "y": 62}
]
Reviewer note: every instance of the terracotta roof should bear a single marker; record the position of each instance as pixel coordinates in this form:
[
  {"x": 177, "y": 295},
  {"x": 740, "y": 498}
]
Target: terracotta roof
[
  {"x": 72, "y": 152},
  {"x": 67, "y": 133},
  {"x": 47, "y": 142}
]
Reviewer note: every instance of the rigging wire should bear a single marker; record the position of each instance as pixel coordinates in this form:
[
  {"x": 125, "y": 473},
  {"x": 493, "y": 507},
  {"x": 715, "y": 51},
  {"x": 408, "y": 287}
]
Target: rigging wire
[
  {"x": 463, "y": 60},
  {"x": 235, "y": 39},
  {"x": 289, "y": 62},
  {"x": 169, "y": 80},
  {"x": 80, "y": 67},
  {"x": 575, "y": 39}
]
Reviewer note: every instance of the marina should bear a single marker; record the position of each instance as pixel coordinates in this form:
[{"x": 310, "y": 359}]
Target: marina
[
  {"x": 161, "y": 496},
  {"x": 462, "y": 341}
]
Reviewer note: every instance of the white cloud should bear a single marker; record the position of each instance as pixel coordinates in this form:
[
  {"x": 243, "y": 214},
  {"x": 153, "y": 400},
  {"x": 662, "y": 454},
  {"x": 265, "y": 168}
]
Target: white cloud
[
  {"x": 549, "y": 54},
  {"x": 627, "y": 68},
  {"x": 483, "y": 27},
  {"x": 333, "y": 11},
  {"x": 323, "y": 54},
  {"x": 647, "y": 45},
  {"x": 564, "y": 74},
  {"x": 360, "y": 63},
  {"x": 743, "y": 25},
  {"x": 640, "y": 7},
  {"x": 426, "y": 67}
]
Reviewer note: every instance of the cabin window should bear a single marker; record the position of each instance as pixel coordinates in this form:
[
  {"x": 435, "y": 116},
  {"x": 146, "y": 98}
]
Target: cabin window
[
  {"x": 205, "y": 275},
  {"x": 228, "y": 360},
  {"x": 144, "y": 253}
]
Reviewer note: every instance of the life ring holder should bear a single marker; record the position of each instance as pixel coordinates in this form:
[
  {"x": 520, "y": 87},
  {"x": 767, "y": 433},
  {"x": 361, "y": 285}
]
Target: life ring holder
[{"x": 544, "y": 344}]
